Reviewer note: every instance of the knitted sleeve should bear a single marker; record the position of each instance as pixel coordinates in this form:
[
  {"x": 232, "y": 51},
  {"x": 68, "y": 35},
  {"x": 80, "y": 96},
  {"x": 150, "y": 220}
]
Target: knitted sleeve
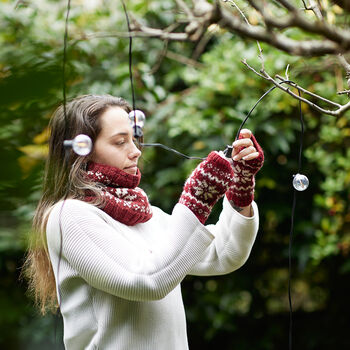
[
  {"x": 234, "y": 238},
  {"x": 108, "y": 261}
]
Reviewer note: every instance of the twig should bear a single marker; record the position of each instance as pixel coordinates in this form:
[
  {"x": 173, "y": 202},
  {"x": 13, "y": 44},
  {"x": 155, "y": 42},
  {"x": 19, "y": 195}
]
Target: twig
[
  {"x": 252, "y": 69},
  {"x": 345, "y": 92},
  {"x": 203, "y": 42},
  {"x": 185, "y": 8},
  {"x": 160, "y": 58},
  {"x": 339, "y": 111},
  {"x": 144, "y": 32},
  {"x": 314, "y": 8},
  {"x": 233, "y": 4},
  {"x": 346, "y": 67},
  {"x": 309, "y": 92},
  {"x": 183, "y": 59}
]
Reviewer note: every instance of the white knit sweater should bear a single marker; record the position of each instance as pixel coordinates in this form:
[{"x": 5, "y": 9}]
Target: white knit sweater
[{"x": 119, "y": 285}]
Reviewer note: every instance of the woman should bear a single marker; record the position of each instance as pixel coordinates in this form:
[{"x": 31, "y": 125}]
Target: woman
[{"x": 112, "y": 262}]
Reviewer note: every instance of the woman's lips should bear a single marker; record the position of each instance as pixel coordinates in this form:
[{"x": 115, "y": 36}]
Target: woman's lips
[{"x": 132, "y": 168}]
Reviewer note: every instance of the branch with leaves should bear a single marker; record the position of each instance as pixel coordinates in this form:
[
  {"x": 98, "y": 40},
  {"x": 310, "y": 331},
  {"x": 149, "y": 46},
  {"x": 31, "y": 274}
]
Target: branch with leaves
[{"x": 311, "y": 30}]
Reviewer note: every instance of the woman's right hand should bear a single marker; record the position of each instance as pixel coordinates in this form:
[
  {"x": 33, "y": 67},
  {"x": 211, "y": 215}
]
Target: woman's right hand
[{"x": 206, "y": 185}]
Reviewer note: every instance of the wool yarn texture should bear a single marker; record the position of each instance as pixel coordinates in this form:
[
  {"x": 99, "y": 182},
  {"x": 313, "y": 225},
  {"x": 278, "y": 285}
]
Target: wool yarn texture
[
  {"x": 241, "y": 192},
  {"x": 123, "y": 200},
  {"x": 206, "y": 185}
]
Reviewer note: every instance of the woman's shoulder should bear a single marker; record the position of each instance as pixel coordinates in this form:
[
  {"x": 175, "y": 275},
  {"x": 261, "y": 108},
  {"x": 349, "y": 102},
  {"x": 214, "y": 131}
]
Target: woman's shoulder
[
  {"x": 74, "y": 208},
  {"x": 71, "y": 204}
]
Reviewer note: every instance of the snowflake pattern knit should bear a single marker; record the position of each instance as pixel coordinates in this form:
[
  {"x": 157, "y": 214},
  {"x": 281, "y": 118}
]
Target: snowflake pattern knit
[
  {"x": 206, "y": 185},
  {"x": 241, "y": 193},
  {"x": 124, "y": 201}
]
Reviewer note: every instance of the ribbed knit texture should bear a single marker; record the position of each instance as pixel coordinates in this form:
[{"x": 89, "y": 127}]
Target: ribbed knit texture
[
  {"x": 241, "y": 192},
  {"x": 206, "y": 185},
  {"x": 123, "y": 200},
  {"x": 120, "y": 285}
]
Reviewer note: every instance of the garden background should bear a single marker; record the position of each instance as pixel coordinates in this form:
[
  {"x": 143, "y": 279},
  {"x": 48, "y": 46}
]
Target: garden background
[{"x": 193, "y": 104}]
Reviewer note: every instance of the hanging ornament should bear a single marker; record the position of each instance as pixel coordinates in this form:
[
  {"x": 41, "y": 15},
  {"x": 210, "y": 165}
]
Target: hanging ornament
[
  {"x": 81, "y": 144},
  {"x": 300, "y": 182},
  {"x": 137, "y": 119}
]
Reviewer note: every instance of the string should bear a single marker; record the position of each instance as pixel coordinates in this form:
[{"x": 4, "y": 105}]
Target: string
[
  {"x": 292, "y": 229},
  {"x": 130, "y": 66},
  {"x": 64, "y": 67},
  {"x": 170, "y": 149}
]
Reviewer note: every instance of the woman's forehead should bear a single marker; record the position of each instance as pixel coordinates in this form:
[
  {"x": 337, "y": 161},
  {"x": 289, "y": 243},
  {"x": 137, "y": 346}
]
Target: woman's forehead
[{"x": 115, "y": 120}]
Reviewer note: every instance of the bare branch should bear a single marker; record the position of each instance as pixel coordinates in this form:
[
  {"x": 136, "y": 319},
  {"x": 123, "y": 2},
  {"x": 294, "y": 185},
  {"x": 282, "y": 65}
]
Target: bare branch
[
  {"x": 314, "y": 8},
  {"x": 202, "y": 20},
  {"x": 346, "y": 66},
  {"x": 341, "y": 109},
  {"x": 310, "y": 93},
  {"x": 294, "y": 47},
  {"x": 185, "y": 8},
  {"x": 144, "y": 32},
  {"x": 345, "y": 92},
  {"x": 160, "y": 58},
  {"x": 183, "y": 59},
  {"x": 246, "y": 20}
]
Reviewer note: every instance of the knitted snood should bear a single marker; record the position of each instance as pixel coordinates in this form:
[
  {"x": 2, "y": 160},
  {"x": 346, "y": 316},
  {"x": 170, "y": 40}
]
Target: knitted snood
[
  {"x": 207, "y": 183},
  {"x": 123, "y": 200},
  {"x": 241, "y": 192}
]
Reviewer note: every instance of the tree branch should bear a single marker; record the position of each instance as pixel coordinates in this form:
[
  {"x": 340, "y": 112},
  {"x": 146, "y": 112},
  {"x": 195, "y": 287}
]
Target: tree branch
[{"x": 341, "y": 109}]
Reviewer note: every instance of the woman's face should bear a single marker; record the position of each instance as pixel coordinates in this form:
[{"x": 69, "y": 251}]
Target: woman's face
[{"x": 115, "y": 143}]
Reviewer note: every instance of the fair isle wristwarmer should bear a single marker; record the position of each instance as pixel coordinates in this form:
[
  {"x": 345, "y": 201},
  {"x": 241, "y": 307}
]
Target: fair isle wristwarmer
[
  {"x": 241, "y": 193},
  {"x": 123, "y": 200},
  {"x": 206, "y": 185}
]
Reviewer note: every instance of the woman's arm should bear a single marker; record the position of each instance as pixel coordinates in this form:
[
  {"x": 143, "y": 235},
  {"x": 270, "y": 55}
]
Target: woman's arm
[
  {"x": 238, "y": 224},
  {"x": 107, "y": 260},
  {"x": 234, "y": 238}
]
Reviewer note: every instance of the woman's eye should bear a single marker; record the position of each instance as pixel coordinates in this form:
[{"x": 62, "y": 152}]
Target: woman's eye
[{"x": 119, "y": 143}]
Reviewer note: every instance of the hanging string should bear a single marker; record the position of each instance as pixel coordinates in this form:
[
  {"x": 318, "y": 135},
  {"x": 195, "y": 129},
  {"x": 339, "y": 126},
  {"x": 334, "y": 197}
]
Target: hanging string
[
  {"x": 130, "y": 56},
  {"x": 64, "y": 67},
  {"x": 250, "y": 112},
  {"x": 130, "y": 66},
  {"x": 292, "y": 229}
]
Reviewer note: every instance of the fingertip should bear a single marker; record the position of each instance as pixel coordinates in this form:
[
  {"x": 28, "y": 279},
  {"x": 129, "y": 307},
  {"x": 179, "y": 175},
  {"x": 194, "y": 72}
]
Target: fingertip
[{"x": 246, "y": 133}]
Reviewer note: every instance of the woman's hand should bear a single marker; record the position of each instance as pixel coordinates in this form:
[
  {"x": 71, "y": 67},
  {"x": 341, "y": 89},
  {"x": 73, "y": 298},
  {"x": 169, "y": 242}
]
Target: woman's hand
[
  {"x": 247, "y": 159},
  {"x": 208, "y": 182},
  {"x": 244, "y": 148}
]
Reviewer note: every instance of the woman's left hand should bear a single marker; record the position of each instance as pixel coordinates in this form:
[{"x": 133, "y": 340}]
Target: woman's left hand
[
  {"x": 244, "y": 147},
  {"x": 247, "y": 159}
]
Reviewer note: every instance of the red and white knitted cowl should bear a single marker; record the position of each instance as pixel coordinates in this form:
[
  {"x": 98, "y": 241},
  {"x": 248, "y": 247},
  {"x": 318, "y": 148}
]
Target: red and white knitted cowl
[{"x": 125, "y": 202}]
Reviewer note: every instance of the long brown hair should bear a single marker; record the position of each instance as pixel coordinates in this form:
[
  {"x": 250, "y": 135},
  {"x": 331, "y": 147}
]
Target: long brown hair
[{"x": 63, "y": 178}]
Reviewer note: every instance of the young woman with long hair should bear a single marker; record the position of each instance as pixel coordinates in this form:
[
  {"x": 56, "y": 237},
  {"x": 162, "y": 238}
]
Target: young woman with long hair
[{"x": 109, "y": 260}]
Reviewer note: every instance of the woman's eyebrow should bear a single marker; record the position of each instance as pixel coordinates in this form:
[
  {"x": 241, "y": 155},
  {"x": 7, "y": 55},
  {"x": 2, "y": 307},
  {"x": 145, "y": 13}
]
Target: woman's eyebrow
[{"x": 123, "y": 133}]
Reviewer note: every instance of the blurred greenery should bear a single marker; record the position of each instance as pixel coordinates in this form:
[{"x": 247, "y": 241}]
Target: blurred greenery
[{"x": 194, "y": 108}]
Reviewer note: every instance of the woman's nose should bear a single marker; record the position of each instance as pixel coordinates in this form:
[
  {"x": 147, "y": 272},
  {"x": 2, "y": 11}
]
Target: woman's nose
[{"x": 135, "y": 152}]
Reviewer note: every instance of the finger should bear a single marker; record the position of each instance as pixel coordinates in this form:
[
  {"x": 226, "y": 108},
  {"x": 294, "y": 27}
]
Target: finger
[
  {"x": 245, "y": 133},
  {"x": 240, "y": 144},
  {"x": 245, "y": 152},
  {"x": 251, "y": 156}
]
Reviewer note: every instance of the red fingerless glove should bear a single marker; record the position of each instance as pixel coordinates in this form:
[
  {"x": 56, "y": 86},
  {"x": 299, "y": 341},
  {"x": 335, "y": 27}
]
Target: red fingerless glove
[
  {"x": 241, "y": 193},
  {"x": 206, "y": 185}
]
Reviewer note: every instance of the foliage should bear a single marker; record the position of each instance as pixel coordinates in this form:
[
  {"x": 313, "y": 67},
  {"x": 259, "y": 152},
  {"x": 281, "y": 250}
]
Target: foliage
[{"x": 193, "y": 108}]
